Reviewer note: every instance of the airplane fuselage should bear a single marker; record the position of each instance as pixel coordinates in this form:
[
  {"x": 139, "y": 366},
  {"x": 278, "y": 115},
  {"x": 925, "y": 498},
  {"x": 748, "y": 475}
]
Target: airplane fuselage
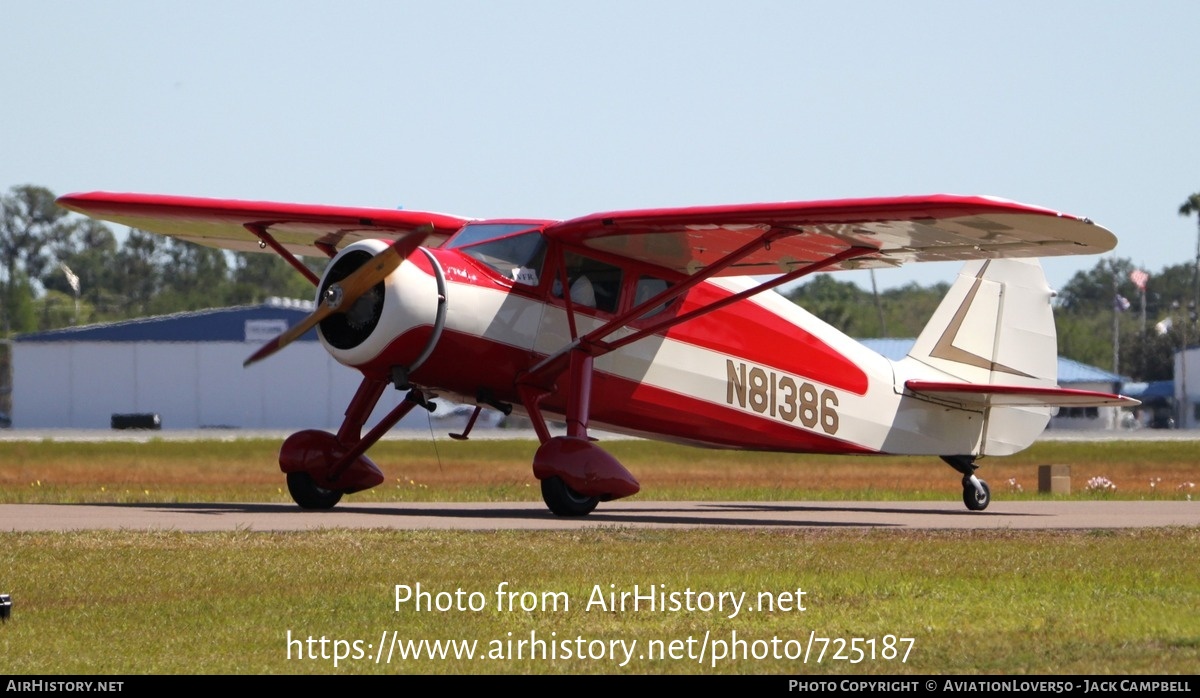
[{"x": 761, "y": 373}]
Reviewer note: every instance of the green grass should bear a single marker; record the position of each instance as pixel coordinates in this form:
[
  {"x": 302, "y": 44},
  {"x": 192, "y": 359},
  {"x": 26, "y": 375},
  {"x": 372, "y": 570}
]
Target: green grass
[
  {"x": 499, "y": 471},
  {"x": 996, "y": 602},
  {"x": 987, "y": 602}
]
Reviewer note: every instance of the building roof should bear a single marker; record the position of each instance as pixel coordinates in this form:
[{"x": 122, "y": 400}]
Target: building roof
[
  {"x": 1069, "y": 370},
  {"x": 237, "y": 324},
  {"x": 1149, "y": 391},
  {"x": 1072, "y": 371}
]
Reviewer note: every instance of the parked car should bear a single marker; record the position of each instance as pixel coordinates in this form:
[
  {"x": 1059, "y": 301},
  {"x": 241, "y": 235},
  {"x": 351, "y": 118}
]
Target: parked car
[{"x": 1162, "y": 419}]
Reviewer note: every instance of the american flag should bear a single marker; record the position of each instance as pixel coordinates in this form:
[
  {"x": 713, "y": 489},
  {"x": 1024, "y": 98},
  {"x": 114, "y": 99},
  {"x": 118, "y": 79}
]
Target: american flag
[{"x": 1139, "y": 278}]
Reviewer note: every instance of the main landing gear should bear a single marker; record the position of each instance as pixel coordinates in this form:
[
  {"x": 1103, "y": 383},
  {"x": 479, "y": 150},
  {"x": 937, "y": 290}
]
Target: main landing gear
[
  {"x": 321, "y": 467},
  {"x": 976, "y": 494},
  {"x": 575, "y": 473}
]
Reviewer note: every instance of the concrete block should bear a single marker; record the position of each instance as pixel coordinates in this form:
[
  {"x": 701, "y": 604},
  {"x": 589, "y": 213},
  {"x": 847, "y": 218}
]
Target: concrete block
[{"x": 1054, "y": 479}]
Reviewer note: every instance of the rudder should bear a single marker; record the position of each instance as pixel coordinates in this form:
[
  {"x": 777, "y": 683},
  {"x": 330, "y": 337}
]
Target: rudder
[{"x": 996, "y": 327}]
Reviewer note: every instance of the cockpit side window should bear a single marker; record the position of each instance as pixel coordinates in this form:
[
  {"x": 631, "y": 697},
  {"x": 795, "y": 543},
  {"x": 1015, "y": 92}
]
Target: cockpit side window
[
  {"x": 648, "y": 287},
  {"x": 593, "y": 284}
]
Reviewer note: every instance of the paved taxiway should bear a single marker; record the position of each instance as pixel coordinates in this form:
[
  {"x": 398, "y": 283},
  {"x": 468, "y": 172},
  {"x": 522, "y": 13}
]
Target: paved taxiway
[
  {"x": 440, "y": 433},
  {"x": 634, "y": 514}
]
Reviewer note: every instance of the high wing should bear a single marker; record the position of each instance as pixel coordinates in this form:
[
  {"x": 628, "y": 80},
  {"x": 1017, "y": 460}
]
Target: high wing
[
  {"x": 777, "y": 237},
  {"x": 240, "y": 225},
  {"x": 791, "y": 235}
]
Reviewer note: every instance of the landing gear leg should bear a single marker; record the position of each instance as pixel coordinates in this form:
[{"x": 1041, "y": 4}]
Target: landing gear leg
[
  {"x": 976, "y": 494},
  {"x": 321, "y": 467},
  {"x": 575, "y": 473}
]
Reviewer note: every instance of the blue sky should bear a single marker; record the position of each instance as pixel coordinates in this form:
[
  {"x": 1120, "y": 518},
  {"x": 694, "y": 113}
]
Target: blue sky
[{"x": 559, "y": 109}]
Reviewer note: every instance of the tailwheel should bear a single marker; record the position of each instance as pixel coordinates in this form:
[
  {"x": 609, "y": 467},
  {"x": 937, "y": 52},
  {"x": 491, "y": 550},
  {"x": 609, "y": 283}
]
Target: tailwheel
[
  {"x": 976, "y": 497},
  {"x": 308, "y": 494},
  {"x": 976, "y": 494},
  {"x": 564, "y": 501}
]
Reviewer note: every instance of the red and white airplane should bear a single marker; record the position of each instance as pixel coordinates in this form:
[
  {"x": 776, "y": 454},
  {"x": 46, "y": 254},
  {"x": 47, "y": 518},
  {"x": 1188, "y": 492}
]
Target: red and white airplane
[{"x": 653, "y": 323}]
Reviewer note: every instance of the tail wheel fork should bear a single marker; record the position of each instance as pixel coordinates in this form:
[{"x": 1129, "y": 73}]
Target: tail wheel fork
[{"x": 976, "y": 494}]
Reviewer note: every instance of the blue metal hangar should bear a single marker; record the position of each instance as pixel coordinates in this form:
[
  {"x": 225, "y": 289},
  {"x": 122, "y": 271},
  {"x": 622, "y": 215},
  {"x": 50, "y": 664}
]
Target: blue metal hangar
[{"x": 187, "y": 369}]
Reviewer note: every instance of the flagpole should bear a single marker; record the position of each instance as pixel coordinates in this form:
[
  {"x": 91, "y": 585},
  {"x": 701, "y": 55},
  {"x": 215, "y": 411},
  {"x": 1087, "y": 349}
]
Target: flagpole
[
  {"x": 1142, "y": 287},
  {"x": 1143, "y": 311},
  {"x": 1116, "y": 321}
]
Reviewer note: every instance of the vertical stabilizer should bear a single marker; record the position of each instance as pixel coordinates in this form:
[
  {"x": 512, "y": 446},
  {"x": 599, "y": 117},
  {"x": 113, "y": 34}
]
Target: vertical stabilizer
[{"x": 996, "y": 327}]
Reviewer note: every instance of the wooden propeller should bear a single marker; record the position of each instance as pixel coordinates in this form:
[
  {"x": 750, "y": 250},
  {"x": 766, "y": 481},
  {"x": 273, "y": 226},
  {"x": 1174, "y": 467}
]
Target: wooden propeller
[{"x": 340, "y": 296}]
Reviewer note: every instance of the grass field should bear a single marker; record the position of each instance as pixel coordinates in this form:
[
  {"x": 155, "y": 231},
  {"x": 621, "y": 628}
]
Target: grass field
[
  {"x": 875, "y": 602},
  {"x": 498, "y": 471}
]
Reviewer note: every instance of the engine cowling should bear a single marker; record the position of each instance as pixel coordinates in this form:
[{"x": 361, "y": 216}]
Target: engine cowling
[{"x": 399, "y": 307}]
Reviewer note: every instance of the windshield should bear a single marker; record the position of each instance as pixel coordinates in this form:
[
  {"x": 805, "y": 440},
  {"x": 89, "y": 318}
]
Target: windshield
[
  {"x": 516, "y": 257},
  {"x": 478, "y": 232}
]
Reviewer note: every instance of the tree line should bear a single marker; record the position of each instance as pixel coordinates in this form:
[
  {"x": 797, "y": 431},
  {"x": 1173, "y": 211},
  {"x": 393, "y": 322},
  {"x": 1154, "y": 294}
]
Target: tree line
[
  {"x": 1084, "y": 311},
  {"x": 60, "y": 270}
]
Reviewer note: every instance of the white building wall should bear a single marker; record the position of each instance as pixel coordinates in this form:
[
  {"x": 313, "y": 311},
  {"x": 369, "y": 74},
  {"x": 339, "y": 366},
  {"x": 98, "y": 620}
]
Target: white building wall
[
  {"x": 162, "y": 376},
  {"x": 1187, "y": 383},
  {"x": 96, "y": 379},
  {"x": 42, "y": 385},
  {"x": 81, "y": 385},
  {"x": 220, "y": 380}
]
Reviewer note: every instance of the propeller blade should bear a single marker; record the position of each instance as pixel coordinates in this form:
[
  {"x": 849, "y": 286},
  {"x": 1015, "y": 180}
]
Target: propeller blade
[
  {"x": 340, "y": 296},
  {"x": 292, "y": 334}
]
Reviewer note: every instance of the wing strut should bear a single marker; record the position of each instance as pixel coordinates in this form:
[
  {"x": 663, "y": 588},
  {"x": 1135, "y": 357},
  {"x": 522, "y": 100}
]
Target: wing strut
[
  {"x": 667, "y": 323},
  {"x": 260, "y": 231},
  {"x": 547, "y": 370}
]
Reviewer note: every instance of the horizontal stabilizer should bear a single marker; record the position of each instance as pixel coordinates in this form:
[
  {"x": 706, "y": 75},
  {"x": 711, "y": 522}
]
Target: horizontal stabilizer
[{"x": 984, "y": 395}]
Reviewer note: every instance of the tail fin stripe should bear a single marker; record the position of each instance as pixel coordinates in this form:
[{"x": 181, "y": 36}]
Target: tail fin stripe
[{"x": 945, "y": 349}]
